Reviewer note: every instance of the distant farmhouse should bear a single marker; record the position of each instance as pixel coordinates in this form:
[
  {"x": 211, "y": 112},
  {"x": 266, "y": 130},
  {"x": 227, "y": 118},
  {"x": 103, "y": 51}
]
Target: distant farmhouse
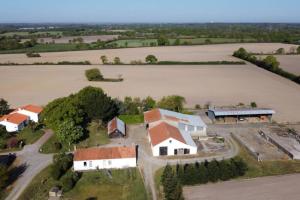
[
  {"x": 104, "y": 158},
  {"x": 172, "y": 133},
  {"x": 19, "y": 118},
  {"x": 235, "y": 115},
  {"x": 116, "y": 128}
]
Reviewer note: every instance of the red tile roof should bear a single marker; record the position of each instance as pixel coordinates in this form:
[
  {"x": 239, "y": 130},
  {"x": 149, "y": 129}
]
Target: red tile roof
[
  {"x": 152, "y": 115},
  {"x": 14, "y": 118},
  {"x": 163, "y": 131},
  {"x": 104, "y": 153},
  {"x": 112, "y": 125},
  {"x": 33, "y": 108}
]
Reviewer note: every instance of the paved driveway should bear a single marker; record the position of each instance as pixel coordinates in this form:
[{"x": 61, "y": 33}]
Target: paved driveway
[
  {"x": 266, "y": 188},
  {"x": 34, "y": 163}
]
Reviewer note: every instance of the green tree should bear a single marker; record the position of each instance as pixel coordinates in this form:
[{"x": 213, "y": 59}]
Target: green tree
[
  {"x": 241, "y": 166},
  {"x": 280, "y": 51},
  {"x": 151, "y": 59},
  {"x": 271, "y": 62},
  {"x": 225, "y": 170},
  {"x": 96, "y": 104},
  {"x": 131, "y": 106},
  {"x": 298, "y": 50},
  {"x": 94, "y": 74},
  {"x": 177, "y": 42},
  {"x": 213, "y": 171},
  {"x": 253, "y": 104},
  {"x": 148, "y": 103},
  {"x": 4, "y": 107},
  {"x": 202, "y": 174},
  {"x": 104, "y": 59},
  {"x": 174, "y": 103},
  {"x": 3, "y": 176},
  {"x": 69, "y": 133},
  {"x": 117, "y": 61},
  {"x": 162, "y": 41},
  {"x": 241, "y": 53}
]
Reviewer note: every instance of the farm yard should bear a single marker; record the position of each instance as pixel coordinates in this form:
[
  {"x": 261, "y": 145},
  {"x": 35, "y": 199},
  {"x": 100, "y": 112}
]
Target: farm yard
[{"x": 218, "y": 52}]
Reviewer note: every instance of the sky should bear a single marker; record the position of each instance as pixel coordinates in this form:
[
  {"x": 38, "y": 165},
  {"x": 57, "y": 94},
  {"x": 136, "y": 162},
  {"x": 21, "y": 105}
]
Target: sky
[{"x": 148, "y": 11}]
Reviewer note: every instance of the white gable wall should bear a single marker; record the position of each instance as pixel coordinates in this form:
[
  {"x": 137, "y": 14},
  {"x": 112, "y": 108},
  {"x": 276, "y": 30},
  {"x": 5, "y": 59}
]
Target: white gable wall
[
  {"x": 11, "y": 127},
  {"x": 104, "y": 164},
  {"x": 172, "y": 144},
  {"x": 32, "y": 116}
]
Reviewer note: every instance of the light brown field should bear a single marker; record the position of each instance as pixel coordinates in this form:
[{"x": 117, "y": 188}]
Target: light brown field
[
  {"x": 220, "y": 85},
  {"x": 177, "y": 53},
  {"x": 272, "y": 188},
  {"x": 290, "y": 63}
]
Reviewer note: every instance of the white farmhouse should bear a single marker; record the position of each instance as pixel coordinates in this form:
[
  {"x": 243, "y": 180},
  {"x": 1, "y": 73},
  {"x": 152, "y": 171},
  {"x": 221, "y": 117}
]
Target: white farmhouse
[
  {"x": 104, "y": 158},
  {"x": 166, "y": 139},
  {"x": 14, "y": 122},
  {"x": 172, "y": 133},
  {"x": 32, "y": 111}
]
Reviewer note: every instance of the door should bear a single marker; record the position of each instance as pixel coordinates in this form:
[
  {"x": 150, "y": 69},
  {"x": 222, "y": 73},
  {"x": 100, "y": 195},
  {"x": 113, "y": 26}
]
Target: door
[
  {"x": 163, "y": 151},
  {"x": 175, "y": 151}
]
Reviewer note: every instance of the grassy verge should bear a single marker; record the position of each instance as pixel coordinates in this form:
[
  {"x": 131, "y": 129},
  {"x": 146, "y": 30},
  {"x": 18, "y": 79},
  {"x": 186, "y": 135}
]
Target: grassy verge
[
  {"x": 132, "y": 119},
  {"x": 96, "y": 136},
  {"x": 125, "y": 184}
]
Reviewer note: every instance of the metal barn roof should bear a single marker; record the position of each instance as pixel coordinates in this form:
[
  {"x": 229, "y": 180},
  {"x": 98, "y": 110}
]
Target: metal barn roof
[{"x": 241, "y": 111}]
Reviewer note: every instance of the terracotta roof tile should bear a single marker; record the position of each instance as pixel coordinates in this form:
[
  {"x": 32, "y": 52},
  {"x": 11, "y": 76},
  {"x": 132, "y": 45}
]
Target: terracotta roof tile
[
  {"x": 112, "y": 125},
  {"x": 152, "y": 115},
  {"x": 33, "y": 108},
  {"x": 104, "y": 153},
  {"x": 15, "y": 118},
  {"x": 163, "y": 131}
]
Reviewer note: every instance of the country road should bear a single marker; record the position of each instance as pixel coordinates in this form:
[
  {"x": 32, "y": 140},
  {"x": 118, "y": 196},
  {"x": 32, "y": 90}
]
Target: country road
[{"x": 34, "y": 163}]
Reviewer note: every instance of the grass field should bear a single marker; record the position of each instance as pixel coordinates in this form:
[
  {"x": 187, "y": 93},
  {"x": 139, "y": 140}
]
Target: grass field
[
  {"x": 125, "y": 184},
  {"x": 132, "y": 119},
  {"x": 29, "y": 136}
]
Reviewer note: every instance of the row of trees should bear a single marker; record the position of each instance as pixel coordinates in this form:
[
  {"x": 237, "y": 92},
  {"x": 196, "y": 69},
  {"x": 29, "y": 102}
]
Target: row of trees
[
  {"x": 7, "y": 43},
  {"x": 192, "y": 174},
  {"x": 269, "y": 63},
  {"x": 134, "y": 106}
]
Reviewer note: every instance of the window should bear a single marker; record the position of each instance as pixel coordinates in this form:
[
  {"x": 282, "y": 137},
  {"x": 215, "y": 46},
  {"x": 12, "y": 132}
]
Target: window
[
  {"x": 90, "y": 164},
  {"x": 84, "y": 164},
  {"x": 170, "y": 141},
  {"x": 109, "y": 162}
]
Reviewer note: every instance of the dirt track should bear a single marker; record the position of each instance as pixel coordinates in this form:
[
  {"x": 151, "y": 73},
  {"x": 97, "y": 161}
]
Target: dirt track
[
  {"x": 267, "y": 188},
  {"x": 220, "y": 85},
  {"x": 179, "y": 53}
]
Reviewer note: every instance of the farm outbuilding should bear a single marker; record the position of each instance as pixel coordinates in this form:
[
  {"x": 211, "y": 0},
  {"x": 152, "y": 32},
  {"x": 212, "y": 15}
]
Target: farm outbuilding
[
  {"x": 116, "y": 128},
  {"x": 235, "y": 115}
]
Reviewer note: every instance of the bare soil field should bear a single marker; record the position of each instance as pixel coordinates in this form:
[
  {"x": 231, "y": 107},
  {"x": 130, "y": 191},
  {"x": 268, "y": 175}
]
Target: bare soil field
[
  {"x": 220, "y": 85},
  {"x": 290, "y": 63},
  {"x": 176, "y": 53},
  {"x": 275, "y": 188}
]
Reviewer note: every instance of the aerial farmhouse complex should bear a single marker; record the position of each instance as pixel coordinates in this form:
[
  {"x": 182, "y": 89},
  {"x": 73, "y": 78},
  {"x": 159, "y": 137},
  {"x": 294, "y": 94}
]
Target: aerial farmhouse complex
[
  {"x": 20, "y": 117},
  {"x": 171, "y": 133},
  {"x": 105, "y": 158}
]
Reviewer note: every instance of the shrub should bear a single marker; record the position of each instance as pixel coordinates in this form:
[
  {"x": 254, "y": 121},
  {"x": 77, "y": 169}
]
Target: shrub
[
  {"x": 94, "y": 75},
  {"x": 67, "y": 183},
  {"x": 104, "y": 59},
  {"x": 253, "y": 104},
  {"x": 32, "y": 55},
  {"x": 117, "y": 61},
  {"x": 56, "y": 171},
  {"x": 280, "y": 51},
  {"x": 2, "y": 143},
  {"x": 12, "y": 142},
  {"x": 151, "y": 59},
  {"x": 197, "y": 106},
  {"x": 57, "y": 146}
]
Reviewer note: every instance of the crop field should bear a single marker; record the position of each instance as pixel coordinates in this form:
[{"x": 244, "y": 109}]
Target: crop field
[
  {"x": 290, "y": 63},
  {"x": 220, "y": 85},
  {"x": 175, "y": 53}
]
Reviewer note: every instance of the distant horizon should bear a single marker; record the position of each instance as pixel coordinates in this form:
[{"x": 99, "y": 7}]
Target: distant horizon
[{"x": 151, "y": 11}]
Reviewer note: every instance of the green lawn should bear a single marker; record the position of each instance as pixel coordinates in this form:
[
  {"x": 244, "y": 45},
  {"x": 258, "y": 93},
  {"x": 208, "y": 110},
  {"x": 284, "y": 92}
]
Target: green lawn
[
  {"x": 125, "y": 184},
  {"x": 97, "y": 136},
  {"x": 29, "y": 136},
  {"x": 132, "y": 119}
]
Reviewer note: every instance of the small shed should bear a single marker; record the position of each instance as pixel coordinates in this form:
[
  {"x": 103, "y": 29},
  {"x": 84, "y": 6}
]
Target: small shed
[{"x": 116, "y": 128}]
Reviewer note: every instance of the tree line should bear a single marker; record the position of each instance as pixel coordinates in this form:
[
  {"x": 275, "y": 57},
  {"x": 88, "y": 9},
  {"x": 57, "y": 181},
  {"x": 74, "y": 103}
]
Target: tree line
[
  {"x": 173, "y": 178},
  {"x": 269, "y": 63}
]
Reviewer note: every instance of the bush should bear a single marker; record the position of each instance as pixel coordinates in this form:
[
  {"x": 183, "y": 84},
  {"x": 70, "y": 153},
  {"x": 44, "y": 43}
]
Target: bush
[
  {"x": 56, "y": 171},
  {"x": 151, "y": 59},
  {"x": 12, "y": 142},
  {"x": 253, "y": 104},
  {"x": 117, "y": 61},
  {"x": 67, "y": 183},
  {"x": 197, "y": 106},
  {"x": 94, "y": 75},
  {"x": 57, "y": 146},
  {"x": 32, "y": 55}
]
